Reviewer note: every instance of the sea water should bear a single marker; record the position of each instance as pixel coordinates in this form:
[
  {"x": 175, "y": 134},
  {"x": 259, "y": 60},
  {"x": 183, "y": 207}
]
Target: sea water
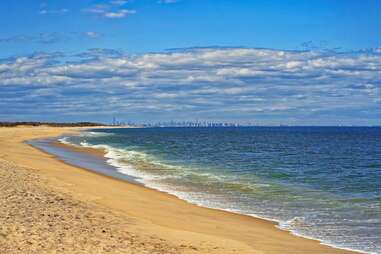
[{"x": 319, "y": 182}]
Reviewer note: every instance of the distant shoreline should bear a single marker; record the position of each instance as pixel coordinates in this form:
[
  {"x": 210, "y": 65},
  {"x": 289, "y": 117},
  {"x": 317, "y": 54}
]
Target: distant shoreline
[
  {"x": 51, "y": 124},
  {"x": 158, "y": 125}
]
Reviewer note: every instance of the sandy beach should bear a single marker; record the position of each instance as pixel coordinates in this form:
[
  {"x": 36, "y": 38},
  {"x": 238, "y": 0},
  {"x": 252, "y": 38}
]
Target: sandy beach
[{"x": 48, "y": 206}]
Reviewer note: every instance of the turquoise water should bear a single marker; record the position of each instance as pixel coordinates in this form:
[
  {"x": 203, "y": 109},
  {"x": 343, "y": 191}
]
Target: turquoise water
[{"x": 319, "y": 182}]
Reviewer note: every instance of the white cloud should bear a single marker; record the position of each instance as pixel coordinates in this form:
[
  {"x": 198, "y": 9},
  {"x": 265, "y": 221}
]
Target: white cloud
[
  {"x": 92, "y": 34},
  {"x": 111, "y": 10},
  {"x": 59, "y": 11},
  {"x": 118, "y": 14},
  {"x": 119, "y": 2},
  {"x": 49, "y": 38},
  {"x": 207, "y": 81}
]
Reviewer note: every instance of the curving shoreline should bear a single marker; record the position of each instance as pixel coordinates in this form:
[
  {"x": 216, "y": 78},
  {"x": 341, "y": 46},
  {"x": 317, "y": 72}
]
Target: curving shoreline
[
  {"x": 154, "y": 212},
  {"x": 101, "y": 153}
]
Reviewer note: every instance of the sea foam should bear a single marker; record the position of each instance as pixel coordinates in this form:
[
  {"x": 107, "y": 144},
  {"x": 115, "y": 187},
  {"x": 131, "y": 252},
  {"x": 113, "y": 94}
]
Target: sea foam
[{"x": 124, "y": 160}]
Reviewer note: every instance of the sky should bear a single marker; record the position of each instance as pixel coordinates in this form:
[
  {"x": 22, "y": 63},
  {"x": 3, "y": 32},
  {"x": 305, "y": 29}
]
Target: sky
[{"x": 312, "y": 62}]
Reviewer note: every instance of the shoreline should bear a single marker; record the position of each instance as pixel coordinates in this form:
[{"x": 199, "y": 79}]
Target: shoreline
[
  {"x": 174, "y": 219},
  {"x": 101, "y": 152}
]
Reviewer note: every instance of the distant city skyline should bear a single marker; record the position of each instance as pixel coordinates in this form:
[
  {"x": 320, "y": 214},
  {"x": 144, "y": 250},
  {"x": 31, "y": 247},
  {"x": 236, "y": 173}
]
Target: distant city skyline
[{"x": 275, "y": 62}]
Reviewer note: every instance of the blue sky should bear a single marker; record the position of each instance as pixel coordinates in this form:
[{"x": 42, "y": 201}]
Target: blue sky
[{"x": 268, "y": 62}]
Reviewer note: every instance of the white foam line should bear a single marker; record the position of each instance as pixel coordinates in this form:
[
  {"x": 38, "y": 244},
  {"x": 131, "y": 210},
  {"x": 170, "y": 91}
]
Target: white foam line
[
  {"x": 95, "y": 134},
  {"x": 64, "y": 140},
  {"x": 113, "y": 154},
  {"x": 322, "y": 242}
]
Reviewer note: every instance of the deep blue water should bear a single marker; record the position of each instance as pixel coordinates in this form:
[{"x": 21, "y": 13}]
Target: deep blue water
[{"x": 321, "y": 182}]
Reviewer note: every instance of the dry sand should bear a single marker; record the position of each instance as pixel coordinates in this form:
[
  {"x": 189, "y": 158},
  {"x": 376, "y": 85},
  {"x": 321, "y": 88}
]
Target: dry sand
[{"x": 47, "y": 206}]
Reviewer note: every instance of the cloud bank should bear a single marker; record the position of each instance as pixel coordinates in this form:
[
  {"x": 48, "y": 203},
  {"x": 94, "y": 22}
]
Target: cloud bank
[{"x": 263, "y": 86}]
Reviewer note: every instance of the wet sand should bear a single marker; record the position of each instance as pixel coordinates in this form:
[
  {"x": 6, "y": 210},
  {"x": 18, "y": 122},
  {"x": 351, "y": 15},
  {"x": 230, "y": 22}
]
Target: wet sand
[{"x": 47, "y": 206}]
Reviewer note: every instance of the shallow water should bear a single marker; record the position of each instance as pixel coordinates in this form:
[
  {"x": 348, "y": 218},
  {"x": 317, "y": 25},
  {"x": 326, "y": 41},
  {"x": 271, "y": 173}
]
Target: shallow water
[{"x": 320, "y": 182}]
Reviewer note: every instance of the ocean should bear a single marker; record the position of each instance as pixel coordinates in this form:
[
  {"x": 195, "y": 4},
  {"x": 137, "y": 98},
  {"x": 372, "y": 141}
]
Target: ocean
[{"x": 319, "y": 182}]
